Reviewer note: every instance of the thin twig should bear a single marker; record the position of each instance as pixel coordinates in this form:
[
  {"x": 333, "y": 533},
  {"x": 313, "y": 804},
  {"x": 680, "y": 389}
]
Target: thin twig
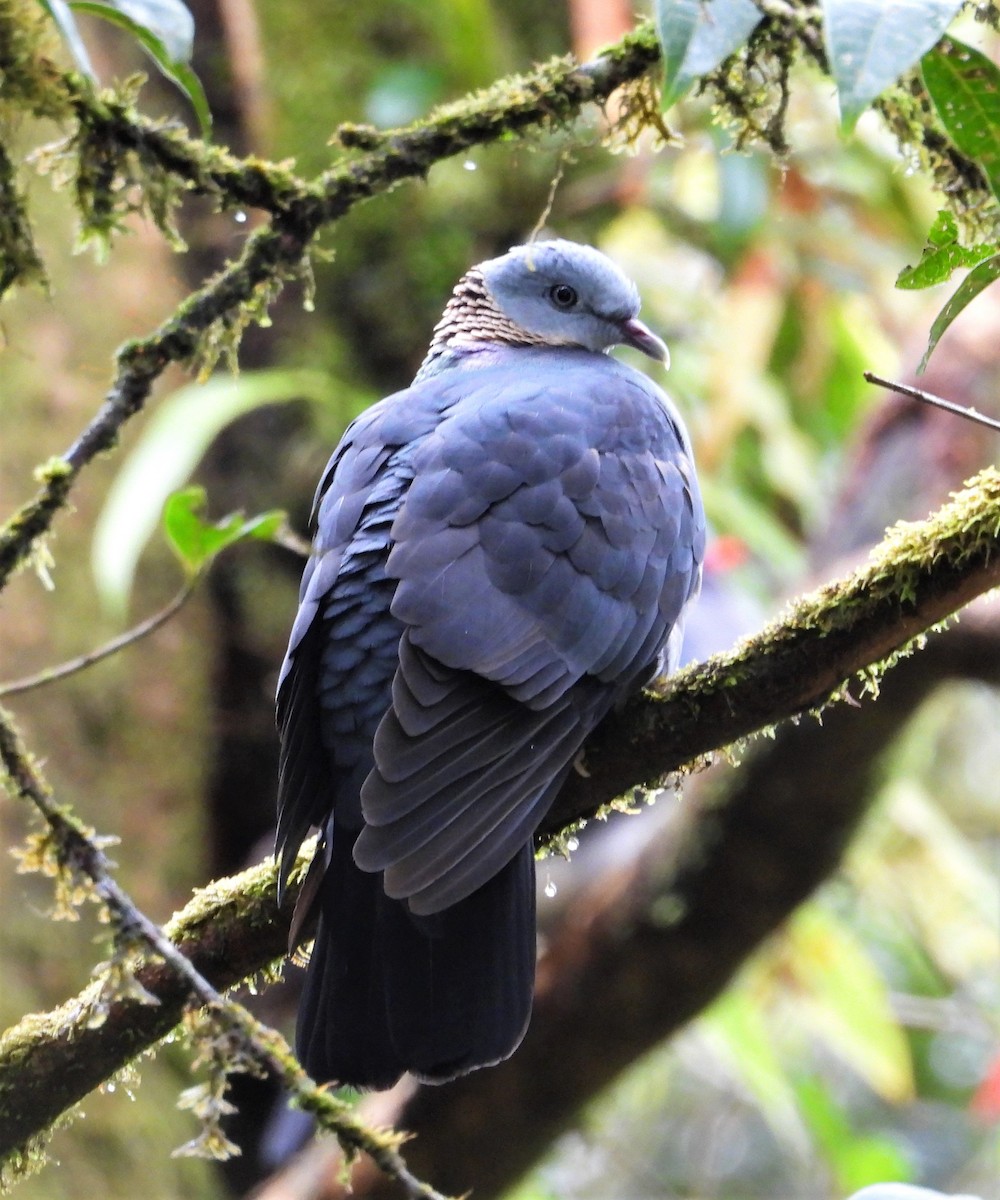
[
  {"x": 18, "y": 686},
  {"x": 904, "y": 389},
  {"x": 550, "y": 200}
]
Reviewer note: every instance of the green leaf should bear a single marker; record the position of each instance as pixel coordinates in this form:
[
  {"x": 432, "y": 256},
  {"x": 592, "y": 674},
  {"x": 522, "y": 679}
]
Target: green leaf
[
  {"x": 189, "y": 83},
  {"x": 970, "y": 287},
  {"x": 845, "y": 1002},
  {"x": 965, "y": 88},
  {"x": 737, "y": 1026},
  {"x": 676, "y": 21},
  {"x": 196, "y": 541},
  {"x": 60, "y": 12},
  {"x": 857, "y": 1159},
  {"x": 871, "y": 43},
  {"x": 697, "y": 35},
  {"x": 943, "y": 255},
  {"x": 176, "y": 436},
  {"x": 169, "y": 20},
  {"x": 174, "y": 68}
]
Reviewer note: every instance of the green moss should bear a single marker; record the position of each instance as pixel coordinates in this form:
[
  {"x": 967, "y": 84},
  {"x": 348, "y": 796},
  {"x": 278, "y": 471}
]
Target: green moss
[
  {"x": 29, "y": 80},
  {"x": 20, "y": 261},
  {"x": 242, "y": 893},
  {"x": 911, "y": 117},
  {"x": 900, "y": 574},
  {"x": 26, "y": 1160},
  {"x": 20, "y": 534}
]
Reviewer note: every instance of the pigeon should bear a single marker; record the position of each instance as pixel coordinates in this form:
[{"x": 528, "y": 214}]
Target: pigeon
[{"x": 503, "y": 552}]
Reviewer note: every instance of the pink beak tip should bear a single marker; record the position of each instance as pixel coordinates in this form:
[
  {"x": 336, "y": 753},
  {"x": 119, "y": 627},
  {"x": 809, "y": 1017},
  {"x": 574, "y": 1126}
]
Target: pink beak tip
[{"x": 641, "y": 337}]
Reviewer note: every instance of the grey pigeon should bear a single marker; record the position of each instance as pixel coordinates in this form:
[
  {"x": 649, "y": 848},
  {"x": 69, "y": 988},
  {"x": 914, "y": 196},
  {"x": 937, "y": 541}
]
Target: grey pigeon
[{"x": 504, "y": 551}]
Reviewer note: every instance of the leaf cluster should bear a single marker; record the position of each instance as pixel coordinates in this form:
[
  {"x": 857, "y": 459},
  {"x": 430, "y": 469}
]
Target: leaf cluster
[{"x": 868, "y": 49}]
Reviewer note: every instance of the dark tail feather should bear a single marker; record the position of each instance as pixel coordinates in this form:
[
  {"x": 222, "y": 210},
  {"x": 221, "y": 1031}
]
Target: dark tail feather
[
  {"x": 388, "y": 992},
  {"x": 342, "y": 1032},
  {"x": 461, "y": 981}
]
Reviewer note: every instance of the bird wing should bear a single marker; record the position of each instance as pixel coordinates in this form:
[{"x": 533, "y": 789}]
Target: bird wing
[
  {"x": 551, "y": 531},
  {"x": 363, "y": 473},
  {"x": 544, "y": 551}
]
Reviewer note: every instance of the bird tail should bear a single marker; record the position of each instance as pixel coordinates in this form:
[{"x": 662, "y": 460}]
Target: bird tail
[{"x": 388, "y": 992}]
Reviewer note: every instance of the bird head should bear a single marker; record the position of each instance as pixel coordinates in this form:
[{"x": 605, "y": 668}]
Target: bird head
[{"x": 565, "y": 294}]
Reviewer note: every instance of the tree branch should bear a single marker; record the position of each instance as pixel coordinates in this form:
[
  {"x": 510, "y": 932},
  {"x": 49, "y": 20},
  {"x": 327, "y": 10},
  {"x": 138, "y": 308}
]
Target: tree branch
[
  {"x": 49, "y": 1062},
  {"x": 28, "y": 683},
  {"x": 915, "y": 393},
  {"x": 209, "y": 321},
  {"x": 915, "y": 579},
  {"x": 245, "y": 1043}
]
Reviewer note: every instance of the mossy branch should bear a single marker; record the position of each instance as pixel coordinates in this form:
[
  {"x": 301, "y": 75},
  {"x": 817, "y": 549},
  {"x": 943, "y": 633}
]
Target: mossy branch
[
  {"x": 852, "y": 629},
  {"x": 113, "y": 140},
  {"x": 230, "y": 1038},
  {"x": 210, "y": 321},
  {"x": 19, "y": 260}
]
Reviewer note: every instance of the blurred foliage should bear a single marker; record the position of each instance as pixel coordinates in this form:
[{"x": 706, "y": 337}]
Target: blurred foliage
[
  {"x": 852, "y": 1049},
  {"x": 170, "y": 446}
]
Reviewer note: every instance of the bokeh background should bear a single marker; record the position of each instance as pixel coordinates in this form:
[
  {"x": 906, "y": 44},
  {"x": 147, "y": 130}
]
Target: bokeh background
[{"x": 863, "y": 1042}]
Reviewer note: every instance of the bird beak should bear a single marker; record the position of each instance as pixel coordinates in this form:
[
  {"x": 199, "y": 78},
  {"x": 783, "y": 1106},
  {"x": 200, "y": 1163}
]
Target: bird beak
[{"x": 634, "y": 333}]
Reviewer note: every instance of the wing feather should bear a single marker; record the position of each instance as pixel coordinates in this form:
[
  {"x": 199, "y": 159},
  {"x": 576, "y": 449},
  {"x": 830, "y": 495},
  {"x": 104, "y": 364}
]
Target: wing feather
[
  {"x": 542, "y": 548},
  {"x": 546, "y": 548}
]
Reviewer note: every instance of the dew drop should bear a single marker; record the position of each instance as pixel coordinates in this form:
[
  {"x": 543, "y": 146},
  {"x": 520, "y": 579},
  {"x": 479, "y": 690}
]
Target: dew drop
[
  {"x": 240, "y": 217},
  {"x": 550, "y": 889},
  {"x": 469, "y": 165},
  {"x": 572, "y": 844}
]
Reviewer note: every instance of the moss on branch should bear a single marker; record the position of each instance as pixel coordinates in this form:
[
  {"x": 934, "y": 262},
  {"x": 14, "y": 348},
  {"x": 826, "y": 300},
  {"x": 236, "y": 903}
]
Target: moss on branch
[
  {"x": 917, "y": 577},
  {"x": 854, "y": 628},
  {"x": 19, "y": 260}
]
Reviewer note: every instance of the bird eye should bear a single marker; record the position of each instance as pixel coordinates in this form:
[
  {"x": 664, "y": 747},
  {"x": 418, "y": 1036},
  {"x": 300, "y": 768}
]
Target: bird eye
[{"x": 563, "y": 296}]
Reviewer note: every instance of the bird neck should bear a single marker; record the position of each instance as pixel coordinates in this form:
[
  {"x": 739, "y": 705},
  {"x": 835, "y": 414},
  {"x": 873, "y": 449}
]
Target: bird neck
[{"x": 471, "y": 321}]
